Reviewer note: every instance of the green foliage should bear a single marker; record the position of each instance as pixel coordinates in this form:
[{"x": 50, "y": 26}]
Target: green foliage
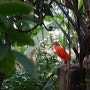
[
  {"x": 19, "y": 37},
  {"x": 3, "y": 50},
  {"x": 46, "y": 65},
  {"x": 36, "y": 31},
  {"x": 3, "y": 23},
  {"x": 47, "y": 68},
  {"x": 10, "y": 8},
  {"x": 7, "y": 65},
  {"x": 50, "y": 83},
  {"x": 30, "y": 18},
  {"x": 10, "y": 36},
  {"x": 48, "y": 19},
  {"x": 59, "y": 17},
  {"x": 22, "y": 24},
  {"x": 27, "y": 64},
  {"x": 80, "y": 5},
  {"x": 16, "y": 17},
  {"x": 21, "y": 80}
]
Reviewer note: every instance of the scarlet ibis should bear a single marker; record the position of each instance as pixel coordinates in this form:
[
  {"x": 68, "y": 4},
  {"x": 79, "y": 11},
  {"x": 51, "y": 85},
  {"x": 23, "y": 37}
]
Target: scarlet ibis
[{"x": 61, "y": 52}]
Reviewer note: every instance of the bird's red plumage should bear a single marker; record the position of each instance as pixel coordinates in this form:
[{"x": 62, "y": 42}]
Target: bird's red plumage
[{"x": 61, "y": 52}]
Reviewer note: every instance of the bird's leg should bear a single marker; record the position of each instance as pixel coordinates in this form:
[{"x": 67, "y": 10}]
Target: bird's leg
[{"x": 67, "y": 63}]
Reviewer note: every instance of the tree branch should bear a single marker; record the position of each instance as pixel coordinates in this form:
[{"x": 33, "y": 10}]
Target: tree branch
[{"x": 67, "y": 36}]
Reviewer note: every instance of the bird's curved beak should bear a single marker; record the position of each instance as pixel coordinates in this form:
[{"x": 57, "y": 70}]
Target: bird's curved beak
[{"x": 54, "y": 43}]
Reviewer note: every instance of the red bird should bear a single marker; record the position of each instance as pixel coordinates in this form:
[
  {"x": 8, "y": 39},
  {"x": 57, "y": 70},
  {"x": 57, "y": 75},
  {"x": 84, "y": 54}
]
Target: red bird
[{"x": 61, "y": 52}]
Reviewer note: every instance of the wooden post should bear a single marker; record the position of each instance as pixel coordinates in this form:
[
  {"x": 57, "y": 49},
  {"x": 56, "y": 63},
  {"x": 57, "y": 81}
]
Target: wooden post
[{"x": 70, "y": 78}]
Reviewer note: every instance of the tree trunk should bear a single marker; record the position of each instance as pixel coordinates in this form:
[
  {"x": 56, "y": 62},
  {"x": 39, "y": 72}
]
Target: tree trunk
[{"x": 70, "y": 78}]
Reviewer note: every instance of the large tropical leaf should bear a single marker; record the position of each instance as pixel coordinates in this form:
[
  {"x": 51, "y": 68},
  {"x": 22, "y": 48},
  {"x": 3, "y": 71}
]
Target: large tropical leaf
[
  {"x": 3, "y": 24},
  {"x": 22, "y": 24},
  {"x": 10, "y": 8},
  {"x": 3, "y": 50},
  {"x": 27, "y": 64},
  {"x": 30, "y": 18},
  {"x": 19, "y": 37},
  {"x": 7, "y": 65}
]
